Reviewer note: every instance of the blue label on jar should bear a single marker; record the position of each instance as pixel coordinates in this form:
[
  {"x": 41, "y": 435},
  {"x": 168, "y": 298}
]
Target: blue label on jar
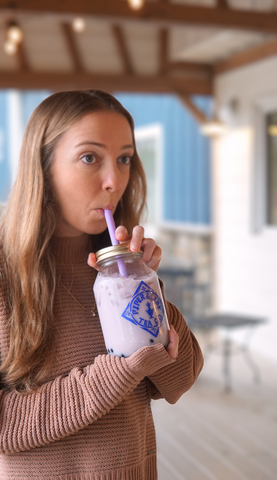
[{"x": 145, "y": 309}]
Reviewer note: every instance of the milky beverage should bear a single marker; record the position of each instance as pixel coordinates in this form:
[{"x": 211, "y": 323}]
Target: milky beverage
[{"x": 130, "y": 307}]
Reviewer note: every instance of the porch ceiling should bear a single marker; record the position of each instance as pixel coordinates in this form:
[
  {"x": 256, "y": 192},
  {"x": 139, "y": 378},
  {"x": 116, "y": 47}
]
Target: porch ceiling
[{"x": 175, "y": 46}]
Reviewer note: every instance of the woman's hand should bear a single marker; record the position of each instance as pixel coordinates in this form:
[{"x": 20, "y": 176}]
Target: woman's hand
[
  {"x": 172, "y": 348},
  {"x": 152, "y": 254}
]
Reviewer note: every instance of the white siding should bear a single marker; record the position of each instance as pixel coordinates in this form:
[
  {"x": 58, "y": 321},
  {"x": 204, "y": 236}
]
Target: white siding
[{"x": 245, "y": 259}]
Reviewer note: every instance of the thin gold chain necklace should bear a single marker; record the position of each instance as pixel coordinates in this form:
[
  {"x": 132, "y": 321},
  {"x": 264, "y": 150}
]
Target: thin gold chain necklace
[{"x": 68, "y": 291}]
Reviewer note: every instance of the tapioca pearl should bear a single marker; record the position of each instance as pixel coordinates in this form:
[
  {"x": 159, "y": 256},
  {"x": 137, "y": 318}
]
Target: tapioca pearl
[
  {"x": 122, "y": 355},
  {"x": 111, "y": 350},
  {"x": 151, "y": 340}
]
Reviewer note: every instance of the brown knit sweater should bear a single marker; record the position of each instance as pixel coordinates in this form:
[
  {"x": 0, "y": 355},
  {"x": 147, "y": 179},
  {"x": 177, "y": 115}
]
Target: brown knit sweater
[{"x": 91, "y": 420}]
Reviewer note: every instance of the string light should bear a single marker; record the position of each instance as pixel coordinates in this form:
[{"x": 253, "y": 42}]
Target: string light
[
  {"x": 14, "y": 33},
  {"x": 78, "y": 24},
  {"x": 9, "y": 47},
  {"x": 14, "y": 36},
  {"x": 272, "y": 130},
  {"x": 213, "y": 128},
  {"x": 136, "y": 4}
]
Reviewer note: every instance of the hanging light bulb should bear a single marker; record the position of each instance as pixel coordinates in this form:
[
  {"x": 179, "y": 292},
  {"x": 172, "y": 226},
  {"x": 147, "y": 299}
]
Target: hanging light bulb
[
  {"x": 14, "y": 33},
  {"x": 136, "y": 4},
  {"x": 213, "y": 128},
  {"x": 78, "y": 24},
  {"x": 9, "y": 47},
  {"x": 272, "y": 130}
]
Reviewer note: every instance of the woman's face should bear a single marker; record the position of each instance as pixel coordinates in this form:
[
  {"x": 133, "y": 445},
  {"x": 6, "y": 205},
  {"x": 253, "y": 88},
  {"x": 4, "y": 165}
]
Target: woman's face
[{"x": 90, "y": 171}]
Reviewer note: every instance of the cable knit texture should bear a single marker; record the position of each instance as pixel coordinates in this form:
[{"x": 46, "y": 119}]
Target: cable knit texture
[{"x": 91, "y": 419}]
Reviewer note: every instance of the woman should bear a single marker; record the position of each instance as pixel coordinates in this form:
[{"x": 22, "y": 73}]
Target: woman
[{"x": 68, "y": 410}]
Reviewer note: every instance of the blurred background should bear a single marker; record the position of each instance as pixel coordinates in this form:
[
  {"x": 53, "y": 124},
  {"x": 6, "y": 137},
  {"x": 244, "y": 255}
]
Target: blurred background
[{"x": 200, "y": 80}]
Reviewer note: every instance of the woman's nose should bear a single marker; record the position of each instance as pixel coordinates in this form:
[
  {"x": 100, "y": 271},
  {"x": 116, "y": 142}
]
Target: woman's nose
[{"x": 111, "y": 178}]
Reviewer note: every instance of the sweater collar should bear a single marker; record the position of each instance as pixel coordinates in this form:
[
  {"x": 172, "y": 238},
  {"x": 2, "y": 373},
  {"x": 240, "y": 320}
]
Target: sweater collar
[{"x": 71, "y": 250}]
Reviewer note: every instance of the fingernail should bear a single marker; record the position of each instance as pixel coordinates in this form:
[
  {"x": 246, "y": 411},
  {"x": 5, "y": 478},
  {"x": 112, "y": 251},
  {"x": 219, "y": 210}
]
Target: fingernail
[{"x": 134, "y": 246}]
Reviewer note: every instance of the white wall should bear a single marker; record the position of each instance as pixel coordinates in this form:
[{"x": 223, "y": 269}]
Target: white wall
[{"x": 245, "y": 258}]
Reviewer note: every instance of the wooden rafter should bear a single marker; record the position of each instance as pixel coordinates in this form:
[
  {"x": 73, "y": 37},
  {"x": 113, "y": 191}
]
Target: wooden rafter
[
  {"x": 245, "y": 58},
  {"x": 222, "y": 3},
  {"x": 166, "y": 65},
  {"x": 128, "y": 83},
  {"x": 165, "y": 12},
  {"x": 24, "y": 65},
  {"x": 123, "y": 49},
  {"x": 72, "y": 47},
  {"x": 199, "y": 116},
  {"x": 204, "y": 69},
  {"x": 163, "y": 51}
]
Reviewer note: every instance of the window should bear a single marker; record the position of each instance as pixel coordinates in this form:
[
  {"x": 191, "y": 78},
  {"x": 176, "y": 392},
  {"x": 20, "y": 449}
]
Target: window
[
  {"x": 271, "y": 124},
  {"x": 264, "y": 173},
  {"x": 149, "y": 147}
]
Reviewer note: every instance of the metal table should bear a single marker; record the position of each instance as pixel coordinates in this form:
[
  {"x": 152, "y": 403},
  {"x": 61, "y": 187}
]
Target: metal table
[
  {"x": 180, "y": 288},
  {"x": 230, "y": 322}
]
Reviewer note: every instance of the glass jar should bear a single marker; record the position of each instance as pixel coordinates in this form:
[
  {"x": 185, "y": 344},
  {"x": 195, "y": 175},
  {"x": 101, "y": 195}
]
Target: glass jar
[{"x": 129, "y": 302}]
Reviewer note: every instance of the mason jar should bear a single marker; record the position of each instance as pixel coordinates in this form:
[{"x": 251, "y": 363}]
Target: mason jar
[{"x": 129, "y": 302}]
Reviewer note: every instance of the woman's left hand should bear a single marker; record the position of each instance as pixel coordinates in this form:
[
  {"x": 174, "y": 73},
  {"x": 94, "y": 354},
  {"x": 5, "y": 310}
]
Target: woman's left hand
[{"x": 152, "y": 253}]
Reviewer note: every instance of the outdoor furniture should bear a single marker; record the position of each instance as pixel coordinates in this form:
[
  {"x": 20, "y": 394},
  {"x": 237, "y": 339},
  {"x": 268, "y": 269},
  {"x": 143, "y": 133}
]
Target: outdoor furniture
[
  {"x": 182, "y": 290},
  {"x": 230, "y": 322}
]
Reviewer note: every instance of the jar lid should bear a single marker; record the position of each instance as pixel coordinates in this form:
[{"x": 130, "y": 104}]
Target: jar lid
[{"x": 113, "y": 251}]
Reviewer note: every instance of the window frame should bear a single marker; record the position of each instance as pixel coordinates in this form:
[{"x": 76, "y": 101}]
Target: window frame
[
  {"x": 155, "y": 131},
  {"x": 259, "y": 174}
]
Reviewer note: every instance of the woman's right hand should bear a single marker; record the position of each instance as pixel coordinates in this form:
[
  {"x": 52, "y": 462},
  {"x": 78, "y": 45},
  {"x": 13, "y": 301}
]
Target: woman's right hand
[{"x": 172, "y": 348}]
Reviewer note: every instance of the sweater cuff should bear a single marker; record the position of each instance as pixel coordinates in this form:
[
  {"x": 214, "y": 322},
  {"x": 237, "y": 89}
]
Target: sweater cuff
[{"x": 148, "y": 360}]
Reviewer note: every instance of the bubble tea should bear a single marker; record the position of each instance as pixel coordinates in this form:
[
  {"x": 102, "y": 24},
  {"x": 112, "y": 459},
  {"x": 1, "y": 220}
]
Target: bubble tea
[{"x": 129, "y": 302}]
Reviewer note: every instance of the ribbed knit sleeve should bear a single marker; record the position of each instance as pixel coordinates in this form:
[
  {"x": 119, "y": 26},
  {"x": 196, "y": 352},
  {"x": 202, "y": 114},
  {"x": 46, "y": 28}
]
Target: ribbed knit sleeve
[
  {"x": 174, "y": 380},
  {"x": 69, "y": 403}
]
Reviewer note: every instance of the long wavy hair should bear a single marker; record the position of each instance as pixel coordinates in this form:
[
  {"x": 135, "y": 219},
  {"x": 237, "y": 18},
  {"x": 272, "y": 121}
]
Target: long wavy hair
[{"x": 30, "y": 220}]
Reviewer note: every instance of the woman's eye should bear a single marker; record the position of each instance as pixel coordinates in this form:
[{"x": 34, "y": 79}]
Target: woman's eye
[
  {"x": 89, "y": 158},
  {"x": 126, "y": 159}
]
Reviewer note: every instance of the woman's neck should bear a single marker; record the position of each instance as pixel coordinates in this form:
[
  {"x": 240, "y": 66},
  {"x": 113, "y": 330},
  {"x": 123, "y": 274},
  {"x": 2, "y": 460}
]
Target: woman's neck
[{"x": 71, "y": 250}]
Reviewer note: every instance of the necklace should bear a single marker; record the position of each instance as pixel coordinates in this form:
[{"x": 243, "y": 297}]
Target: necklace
[{"x": 68, "y": 291}]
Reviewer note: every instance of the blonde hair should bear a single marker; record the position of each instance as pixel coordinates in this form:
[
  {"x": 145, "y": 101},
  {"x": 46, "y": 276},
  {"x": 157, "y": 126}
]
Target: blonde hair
[{"x": 28, "y": 225}]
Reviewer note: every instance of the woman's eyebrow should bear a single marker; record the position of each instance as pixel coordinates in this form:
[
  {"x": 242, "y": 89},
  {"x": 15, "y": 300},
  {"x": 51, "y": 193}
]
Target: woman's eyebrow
[{"x": 102, "y": 145}]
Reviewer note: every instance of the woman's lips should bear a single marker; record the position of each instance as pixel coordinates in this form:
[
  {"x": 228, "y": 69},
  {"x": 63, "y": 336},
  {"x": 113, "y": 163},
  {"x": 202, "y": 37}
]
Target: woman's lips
[{"x": 101, "y": 210}]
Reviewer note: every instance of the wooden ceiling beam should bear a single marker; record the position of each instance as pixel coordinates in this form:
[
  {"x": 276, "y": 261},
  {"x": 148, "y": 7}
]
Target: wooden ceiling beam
[
  {"x": 24, "y": 65},
  {"x": 123, "y": 49},
  {"x": 247, "y": 57},
  {"x": 199, "y": 116},
  {"x": 204, "y": 69},
  {"x": 222, "y": 3},
  {"x": 72, "y": 47},
  {"x": 162, "y": 12},
  {"x": 166, "y": 65},
  {"x": 128, "y": 83},
  {"x": 163, "y": 51}
]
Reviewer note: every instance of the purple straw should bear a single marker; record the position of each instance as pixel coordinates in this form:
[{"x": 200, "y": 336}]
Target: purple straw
[{"x": 111, "y": 227}]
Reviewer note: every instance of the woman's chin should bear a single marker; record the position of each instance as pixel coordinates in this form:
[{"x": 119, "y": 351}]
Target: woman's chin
[{"x": 98, "y": 228}]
